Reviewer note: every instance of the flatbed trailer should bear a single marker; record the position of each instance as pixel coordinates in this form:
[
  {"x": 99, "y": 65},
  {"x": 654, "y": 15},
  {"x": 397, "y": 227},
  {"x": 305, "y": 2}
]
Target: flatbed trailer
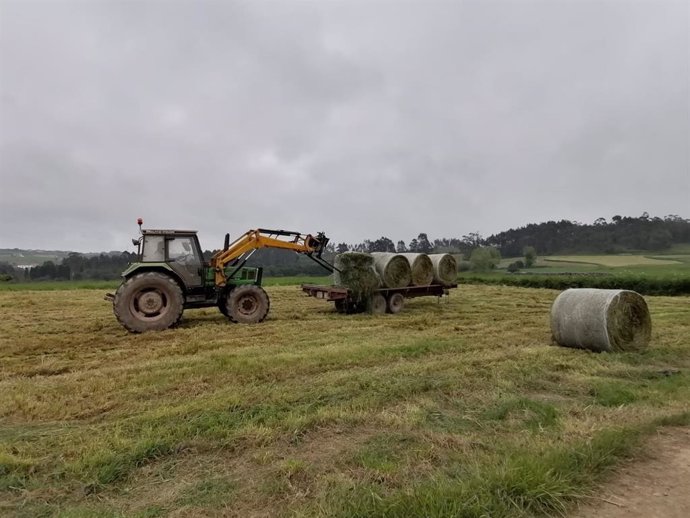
[{"x": 383, "y": 300}]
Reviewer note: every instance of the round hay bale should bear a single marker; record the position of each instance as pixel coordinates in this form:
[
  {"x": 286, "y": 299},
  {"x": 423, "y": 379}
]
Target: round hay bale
[
  {"x": 601, "y": 320},
  {"x": 445, "y": 269},
  {"x": 356, "y": 273},
  {"x": 393, "y": 269},
  {"x": 422, "y": 269}
]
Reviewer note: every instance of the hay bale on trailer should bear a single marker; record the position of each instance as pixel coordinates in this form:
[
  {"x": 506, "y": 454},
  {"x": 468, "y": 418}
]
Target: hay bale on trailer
[
  {"x": 445, "y": 269},
  {"x": 601, "y": 320},
  {"x": 393, "y": 269},
  {"x": 356, "y": 271},
  {"x": 422, "y": 269}
]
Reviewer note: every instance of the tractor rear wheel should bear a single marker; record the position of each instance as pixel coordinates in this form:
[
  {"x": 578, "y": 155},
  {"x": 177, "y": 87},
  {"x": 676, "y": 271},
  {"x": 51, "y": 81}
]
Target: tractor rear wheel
[
  {"x": 149, "y": 301},
  {"x": 247, "y": 304}
]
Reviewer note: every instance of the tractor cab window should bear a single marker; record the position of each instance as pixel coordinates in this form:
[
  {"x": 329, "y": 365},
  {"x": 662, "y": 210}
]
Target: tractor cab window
[
  {"x": 154, "y": 249},
  {"x": 182, "y": 250}
]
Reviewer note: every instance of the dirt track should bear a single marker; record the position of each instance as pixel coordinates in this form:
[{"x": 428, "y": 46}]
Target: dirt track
[{"x": 656, "y": 486}]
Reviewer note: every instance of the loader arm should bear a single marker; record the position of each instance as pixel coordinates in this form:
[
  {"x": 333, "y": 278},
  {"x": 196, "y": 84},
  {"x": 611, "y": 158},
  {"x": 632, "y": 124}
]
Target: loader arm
[{"x": 238, "y": 252}]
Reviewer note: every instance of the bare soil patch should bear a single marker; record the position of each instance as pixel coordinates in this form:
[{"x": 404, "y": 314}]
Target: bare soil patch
[{"x": 657, "y": 485}]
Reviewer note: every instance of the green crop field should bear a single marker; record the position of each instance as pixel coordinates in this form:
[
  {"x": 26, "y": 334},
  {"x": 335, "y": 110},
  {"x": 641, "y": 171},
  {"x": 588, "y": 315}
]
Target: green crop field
[
  {"x": 649, "y": 275},
  {"x": 614, "y": 260},
  {"x": 458, "y": 407}
]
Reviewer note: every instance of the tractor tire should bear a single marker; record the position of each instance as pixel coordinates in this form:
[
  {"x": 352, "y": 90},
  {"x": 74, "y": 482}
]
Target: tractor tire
[
  {"x": 247, "y": 304},
  {"x": 150, "y": 301},
  {"x": 378, "y": 304},
  {"x": 395, "y": 303}
]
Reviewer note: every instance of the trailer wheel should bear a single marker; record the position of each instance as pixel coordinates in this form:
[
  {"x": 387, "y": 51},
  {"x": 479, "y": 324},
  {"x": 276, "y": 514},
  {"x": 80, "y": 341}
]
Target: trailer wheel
[
  {"x": 378, "y": 304},
  {"x": 395, "y": 303},
  {"x": 247, "y": 304},
  {"x": 341, "y": 306}
]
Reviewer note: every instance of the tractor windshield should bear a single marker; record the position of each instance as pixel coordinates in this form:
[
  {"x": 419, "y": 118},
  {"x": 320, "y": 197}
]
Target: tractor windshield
[{"x": 182, "y": 250}]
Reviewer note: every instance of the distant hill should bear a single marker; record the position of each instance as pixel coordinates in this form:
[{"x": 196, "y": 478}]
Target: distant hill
[{"x": 19, "y": 257}]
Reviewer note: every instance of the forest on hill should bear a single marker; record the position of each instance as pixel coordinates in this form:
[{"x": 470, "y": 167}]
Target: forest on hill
[{"x": 620, "y": 234}]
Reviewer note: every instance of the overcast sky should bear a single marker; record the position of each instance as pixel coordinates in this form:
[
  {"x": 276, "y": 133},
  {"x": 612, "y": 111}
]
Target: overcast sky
[{"x": 360, "y": 119}]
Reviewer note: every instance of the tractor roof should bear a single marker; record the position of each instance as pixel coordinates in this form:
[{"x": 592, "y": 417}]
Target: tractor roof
[{"x": 160, "y": 232}]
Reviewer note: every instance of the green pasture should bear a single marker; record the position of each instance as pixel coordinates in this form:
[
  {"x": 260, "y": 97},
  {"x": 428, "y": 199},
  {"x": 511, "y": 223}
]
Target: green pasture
[
  {"x": 658, "y": 274},
  {"x": 614, "y": 261}
]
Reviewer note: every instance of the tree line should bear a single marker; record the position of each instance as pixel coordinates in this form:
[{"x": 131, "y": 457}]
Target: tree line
[
  {"x": 75, "y": 266},
  {"x": 619, "y": 234}
]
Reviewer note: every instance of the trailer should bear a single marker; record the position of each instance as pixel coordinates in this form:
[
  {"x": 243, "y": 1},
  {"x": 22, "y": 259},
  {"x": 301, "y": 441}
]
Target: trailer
[{"x": 384, "y": 300}]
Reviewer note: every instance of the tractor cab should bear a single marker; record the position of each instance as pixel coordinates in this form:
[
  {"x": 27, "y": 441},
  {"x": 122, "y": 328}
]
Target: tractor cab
[{"x": 178, "y": 249}]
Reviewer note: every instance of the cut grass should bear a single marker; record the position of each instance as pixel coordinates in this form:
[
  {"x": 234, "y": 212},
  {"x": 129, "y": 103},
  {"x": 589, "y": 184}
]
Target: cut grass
[{"x": 457, "y": 408}]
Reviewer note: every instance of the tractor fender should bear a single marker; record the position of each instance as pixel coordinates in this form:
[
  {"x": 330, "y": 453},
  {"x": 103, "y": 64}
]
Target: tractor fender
[{"x": 163, "y": 268}]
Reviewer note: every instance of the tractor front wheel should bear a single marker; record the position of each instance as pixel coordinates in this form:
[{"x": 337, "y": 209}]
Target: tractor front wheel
[
  {"x": 247, "y": 304},
  {"x": 149, "y": 301}
]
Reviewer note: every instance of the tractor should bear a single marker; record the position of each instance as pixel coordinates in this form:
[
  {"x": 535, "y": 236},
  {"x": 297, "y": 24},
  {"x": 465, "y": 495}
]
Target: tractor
[{"x": 170, "y": 275}]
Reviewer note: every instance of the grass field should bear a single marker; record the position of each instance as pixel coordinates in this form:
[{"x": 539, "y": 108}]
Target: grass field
[
  {"x": 457, "y": 408},
  {"x": 615, "y": 260}
]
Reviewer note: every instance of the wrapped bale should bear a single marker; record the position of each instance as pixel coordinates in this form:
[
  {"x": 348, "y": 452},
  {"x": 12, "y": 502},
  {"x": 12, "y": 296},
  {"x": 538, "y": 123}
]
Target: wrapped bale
[
  {"x": 445, "y": 269},
  {"x": 601, "y": 320},
  {"x": 357, "y": 273},
  {"x": 422, "y": 269},
  {"x": 393, "y": 269}
]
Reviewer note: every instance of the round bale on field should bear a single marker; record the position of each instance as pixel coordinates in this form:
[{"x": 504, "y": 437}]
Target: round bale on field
[{"x": 601, "y": 320}]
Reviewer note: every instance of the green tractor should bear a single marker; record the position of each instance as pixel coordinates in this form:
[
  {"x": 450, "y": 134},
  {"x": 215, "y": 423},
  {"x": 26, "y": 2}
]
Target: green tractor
[{"x": 170, "y": 275}]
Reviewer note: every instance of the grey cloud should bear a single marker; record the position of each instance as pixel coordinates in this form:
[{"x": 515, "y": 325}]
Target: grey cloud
[{"x": 358, "y": 118}]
